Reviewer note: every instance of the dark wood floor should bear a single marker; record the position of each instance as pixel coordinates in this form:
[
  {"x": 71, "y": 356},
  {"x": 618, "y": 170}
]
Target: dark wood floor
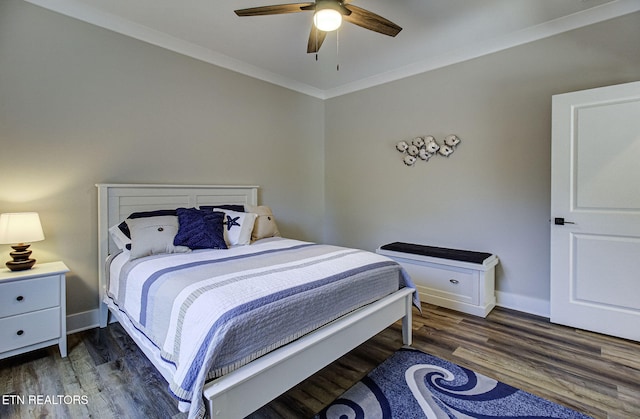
[{"x": 111, "y": 378}]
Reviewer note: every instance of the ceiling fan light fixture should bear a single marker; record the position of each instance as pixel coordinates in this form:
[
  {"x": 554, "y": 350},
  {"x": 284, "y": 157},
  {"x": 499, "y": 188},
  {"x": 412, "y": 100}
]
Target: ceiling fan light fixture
[
  {"x": 327, "y": 20},
  {"x": 327, "y": 17}
]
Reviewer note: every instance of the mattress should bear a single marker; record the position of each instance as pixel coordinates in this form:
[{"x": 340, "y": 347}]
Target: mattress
[{"x": 208, "y": 312}]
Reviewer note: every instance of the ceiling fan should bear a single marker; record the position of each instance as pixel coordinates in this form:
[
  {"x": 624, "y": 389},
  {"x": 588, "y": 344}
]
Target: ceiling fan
[{"x": 328, "y": 16}]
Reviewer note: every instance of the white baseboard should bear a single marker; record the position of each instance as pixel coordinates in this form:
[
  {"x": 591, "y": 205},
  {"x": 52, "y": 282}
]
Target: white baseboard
[
  {"x": 82, "y": 321},
  {"x": 85, "y": 320},
  {"x": 523, "y": 303}
]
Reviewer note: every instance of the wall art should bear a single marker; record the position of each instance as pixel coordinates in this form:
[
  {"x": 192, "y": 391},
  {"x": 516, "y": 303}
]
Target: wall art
[{"x": 423, "y": 148}]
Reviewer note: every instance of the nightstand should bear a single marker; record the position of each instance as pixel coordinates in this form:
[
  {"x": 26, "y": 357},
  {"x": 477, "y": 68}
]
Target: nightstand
[{"x": 33, "y": 309}]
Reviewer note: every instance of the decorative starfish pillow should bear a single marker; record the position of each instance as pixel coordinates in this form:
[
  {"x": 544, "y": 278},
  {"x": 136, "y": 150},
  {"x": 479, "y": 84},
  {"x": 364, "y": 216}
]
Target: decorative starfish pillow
[{"x": 237, "y": 226}]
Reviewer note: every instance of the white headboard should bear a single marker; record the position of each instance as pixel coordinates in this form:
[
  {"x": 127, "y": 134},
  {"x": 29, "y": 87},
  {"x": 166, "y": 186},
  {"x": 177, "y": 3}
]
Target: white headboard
[{"x": 117, "y": 201}]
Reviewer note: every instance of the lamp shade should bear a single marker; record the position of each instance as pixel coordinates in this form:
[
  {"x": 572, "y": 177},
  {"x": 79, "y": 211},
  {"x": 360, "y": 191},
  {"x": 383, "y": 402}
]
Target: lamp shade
[{"x": 20, "y": 227}]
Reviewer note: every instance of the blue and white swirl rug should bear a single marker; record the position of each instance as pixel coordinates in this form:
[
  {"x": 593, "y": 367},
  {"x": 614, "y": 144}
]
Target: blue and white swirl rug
[{"x": 413, "y": 384}]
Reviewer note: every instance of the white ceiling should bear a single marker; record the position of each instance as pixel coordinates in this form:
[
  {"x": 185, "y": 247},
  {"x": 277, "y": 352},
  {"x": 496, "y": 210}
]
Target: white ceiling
[{"x": 273, "y": 48}]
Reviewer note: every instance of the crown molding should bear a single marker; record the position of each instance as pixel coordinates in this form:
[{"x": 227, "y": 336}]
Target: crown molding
[
  {"x": 567, "y": 23},
  {"x": 82, "y": 12},
  {"x": 78, "y": 10}
]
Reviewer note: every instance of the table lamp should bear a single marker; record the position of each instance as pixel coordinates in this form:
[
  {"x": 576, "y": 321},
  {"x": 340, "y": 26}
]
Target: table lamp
[{"x": 19, "y": 229}]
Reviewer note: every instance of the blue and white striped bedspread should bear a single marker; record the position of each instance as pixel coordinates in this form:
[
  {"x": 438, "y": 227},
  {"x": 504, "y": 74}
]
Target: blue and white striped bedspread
[{"x": 212, "y": 311}]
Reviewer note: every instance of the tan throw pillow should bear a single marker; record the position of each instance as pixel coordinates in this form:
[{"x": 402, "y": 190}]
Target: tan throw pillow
[{"x": 265, "y": 225}]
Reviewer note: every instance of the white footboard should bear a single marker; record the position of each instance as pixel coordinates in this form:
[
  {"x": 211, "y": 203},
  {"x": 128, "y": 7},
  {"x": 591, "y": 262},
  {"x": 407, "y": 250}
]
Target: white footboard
[{"x": 245, "y": 390}]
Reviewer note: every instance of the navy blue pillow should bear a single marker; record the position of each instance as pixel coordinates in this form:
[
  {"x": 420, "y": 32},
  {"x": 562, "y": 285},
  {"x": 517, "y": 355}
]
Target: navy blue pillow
[
  {"x": 200, "y": 229},
  {"x": 231, "y": 207}
]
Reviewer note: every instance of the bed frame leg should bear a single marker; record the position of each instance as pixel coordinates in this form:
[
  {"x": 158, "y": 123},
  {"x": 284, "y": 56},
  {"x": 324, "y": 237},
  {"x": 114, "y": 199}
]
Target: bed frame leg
[
  {"x": 407, "y": 321},
  {"x": 104, "y": 315}
]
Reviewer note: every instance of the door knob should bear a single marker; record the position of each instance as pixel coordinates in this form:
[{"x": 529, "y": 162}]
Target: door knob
[{"x": 559, "y": 221}]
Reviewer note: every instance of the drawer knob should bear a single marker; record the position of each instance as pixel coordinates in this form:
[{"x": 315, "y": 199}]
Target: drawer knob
[
  {"x": 454, "y": 281},
  {"x": 19, "y": 298},
  {"x": 20, "y": 332}
]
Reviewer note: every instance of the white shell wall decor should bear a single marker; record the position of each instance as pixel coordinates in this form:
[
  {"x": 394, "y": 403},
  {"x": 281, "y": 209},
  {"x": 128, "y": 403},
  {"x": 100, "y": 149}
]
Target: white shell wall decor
[
  {"x": 418, "y": 142},
  {"x": 423, "y": 148},
  {"x": 409, "y": 160},
  {"x": 402, "y": 146},
  {"x": 424, "y": 154},
  {"x": 452, "y": 140},
  {"x": 445, "y": 150},
  {"x": 432, "y": 146}
]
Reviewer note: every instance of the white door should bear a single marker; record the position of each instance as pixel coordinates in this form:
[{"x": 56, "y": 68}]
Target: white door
[{"x": 595, "y": 188}]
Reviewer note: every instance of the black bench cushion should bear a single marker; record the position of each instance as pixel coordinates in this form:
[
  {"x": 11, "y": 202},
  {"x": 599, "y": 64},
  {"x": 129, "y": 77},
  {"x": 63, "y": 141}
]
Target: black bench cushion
[{"x": 438, "y": 252}]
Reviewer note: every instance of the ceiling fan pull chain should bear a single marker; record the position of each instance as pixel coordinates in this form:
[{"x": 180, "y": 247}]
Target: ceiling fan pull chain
[
  {"x": 316, "y": 43},
  {"x": 338, "y": 50}
]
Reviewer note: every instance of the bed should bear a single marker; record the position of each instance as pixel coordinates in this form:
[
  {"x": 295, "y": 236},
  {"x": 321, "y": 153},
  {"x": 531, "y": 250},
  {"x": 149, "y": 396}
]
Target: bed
[{"x": 234, "y": 388}]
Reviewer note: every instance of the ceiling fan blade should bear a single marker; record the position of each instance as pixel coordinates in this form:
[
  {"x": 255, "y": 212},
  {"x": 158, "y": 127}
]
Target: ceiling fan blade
[
  {"x": 371, "y": 21},
  {"x": 316, "y": 38},
  {"x": 276, "y": 9}
]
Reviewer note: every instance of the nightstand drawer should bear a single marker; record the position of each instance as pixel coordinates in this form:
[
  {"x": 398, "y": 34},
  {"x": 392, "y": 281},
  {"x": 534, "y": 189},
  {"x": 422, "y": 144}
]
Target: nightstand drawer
[
  {"x": 457, "y": 285},
  {"x": 28, "y": 329},
  {"x": 29, "y": 295}
]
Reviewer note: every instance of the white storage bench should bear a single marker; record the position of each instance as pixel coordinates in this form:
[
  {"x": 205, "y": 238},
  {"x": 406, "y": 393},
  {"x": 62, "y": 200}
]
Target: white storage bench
[{"x": 461, "y": 280}]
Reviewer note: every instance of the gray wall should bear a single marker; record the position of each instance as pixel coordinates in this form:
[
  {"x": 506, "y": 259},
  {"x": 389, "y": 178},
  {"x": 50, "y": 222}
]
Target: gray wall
[
  {"x": 81, "y": 105},
  {"x": 493, "y": 193}
]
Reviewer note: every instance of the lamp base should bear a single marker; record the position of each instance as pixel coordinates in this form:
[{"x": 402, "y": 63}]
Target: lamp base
[
  {"x": 20, "y": 255},
  {"x": 23, "y": 265}
]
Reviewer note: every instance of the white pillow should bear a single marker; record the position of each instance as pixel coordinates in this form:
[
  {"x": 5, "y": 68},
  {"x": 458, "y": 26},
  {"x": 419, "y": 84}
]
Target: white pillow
[
  {"x": 154, "y": 235},
  {"x": 237, "y": 226},
  {"x": 119, "y": 238}
]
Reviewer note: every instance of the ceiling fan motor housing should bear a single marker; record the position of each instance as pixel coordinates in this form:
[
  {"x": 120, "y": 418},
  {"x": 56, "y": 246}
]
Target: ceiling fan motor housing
[{"x": 333, "y": 5}]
